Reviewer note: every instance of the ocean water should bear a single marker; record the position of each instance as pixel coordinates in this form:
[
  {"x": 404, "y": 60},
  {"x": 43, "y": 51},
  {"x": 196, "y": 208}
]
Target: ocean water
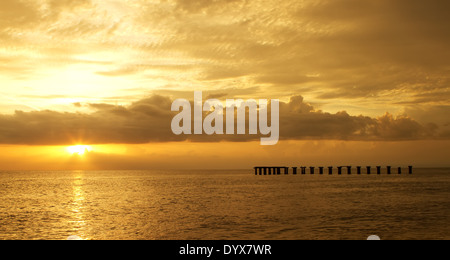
[{"x": 203, "y": 205}]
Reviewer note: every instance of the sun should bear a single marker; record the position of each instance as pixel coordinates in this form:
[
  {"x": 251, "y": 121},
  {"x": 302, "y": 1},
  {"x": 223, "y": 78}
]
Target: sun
[{"x": 79, "y": 149}]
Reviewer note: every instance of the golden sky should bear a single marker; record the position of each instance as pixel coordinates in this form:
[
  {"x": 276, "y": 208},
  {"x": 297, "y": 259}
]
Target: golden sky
[{"x": 359, "y": 81}]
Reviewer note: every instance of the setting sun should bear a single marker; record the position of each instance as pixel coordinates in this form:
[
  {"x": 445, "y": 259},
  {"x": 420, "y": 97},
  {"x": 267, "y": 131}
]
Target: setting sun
[{"x": 79, "y": 149}]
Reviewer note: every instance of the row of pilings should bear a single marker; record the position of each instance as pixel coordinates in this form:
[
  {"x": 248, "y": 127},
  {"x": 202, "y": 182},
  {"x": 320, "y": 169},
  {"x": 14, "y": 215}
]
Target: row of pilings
[{"x": 321, "y": 170}]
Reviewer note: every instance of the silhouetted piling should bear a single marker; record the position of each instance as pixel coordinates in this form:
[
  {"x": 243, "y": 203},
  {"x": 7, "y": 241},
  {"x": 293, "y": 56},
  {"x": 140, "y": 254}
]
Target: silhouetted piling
[
  {"x": 277, "y": 170},
  {"x": 303, "y": 170}
]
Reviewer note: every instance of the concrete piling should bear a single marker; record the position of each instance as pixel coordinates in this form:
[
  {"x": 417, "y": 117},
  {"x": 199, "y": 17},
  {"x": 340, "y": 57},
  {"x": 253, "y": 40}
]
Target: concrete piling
[
  {"x": 303, "y": 170},
  {"x": 277, "y": 170}
]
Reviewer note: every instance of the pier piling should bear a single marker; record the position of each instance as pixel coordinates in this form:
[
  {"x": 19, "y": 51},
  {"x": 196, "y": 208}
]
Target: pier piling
[
  {"x": 303, "y": 170},
  {"x": 277, "y": 170}
]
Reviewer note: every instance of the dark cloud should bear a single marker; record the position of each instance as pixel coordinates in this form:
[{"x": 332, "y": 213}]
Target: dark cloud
[
  {"x": 360, "y": 48},
  {"x": 142, "y": 122},
  {"x": 333, "y": 49},
  {"x": 434, "y": 115},
  {"x": 16, "y": 14},
  {"x": 149, "y": 120},
  {"x": 301, "y": 121}
]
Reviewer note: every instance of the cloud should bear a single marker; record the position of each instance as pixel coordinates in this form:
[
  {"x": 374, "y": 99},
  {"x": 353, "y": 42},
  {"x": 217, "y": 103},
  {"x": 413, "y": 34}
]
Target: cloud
[
  {"x": 16, "y": 14},
  {"x": 330, "y": 51},
  {"x": 301, "y": 121},
  {"x": 142, "y": 122},
  {"x": 27, "y": 14},
  {"x": 199, "y": 5},
  {"x": 46, "y": 33},
  {"x": 149, "y": 120},
  {"x": 361, "y": 49}
]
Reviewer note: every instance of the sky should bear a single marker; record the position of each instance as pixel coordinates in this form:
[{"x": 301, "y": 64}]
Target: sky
[{"x": 359, "y": 82}]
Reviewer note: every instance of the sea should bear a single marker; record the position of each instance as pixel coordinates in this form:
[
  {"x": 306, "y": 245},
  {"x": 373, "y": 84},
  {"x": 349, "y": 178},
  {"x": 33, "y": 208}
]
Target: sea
[{"x": 223, "y": 205}]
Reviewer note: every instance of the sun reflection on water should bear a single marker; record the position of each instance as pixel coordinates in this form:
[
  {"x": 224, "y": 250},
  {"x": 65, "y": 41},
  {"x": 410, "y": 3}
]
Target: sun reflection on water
[{"x": 77, "y": 217}]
